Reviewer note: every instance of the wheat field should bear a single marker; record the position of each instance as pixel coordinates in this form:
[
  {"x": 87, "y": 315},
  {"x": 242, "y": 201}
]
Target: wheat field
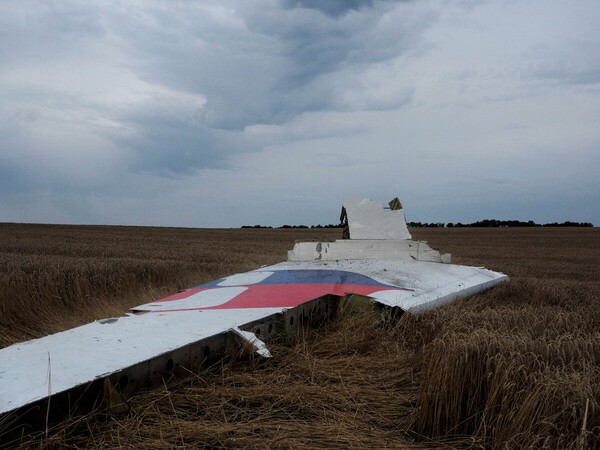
[{"x": 515, "y": 367}]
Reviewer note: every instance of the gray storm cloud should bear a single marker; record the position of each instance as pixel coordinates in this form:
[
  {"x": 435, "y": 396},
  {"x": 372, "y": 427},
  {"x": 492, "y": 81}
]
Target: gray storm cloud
[
  {"x": 252, "y": 63},
  {"x": 111, "y": 112},
  {"x": 334, "y": 8}
]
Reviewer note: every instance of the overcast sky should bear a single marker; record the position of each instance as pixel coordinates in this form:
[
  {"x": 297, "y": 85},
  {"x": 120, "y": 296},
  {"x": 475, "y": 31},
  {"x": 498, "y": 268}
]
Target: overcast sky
[{"x": 224, "y": 113}]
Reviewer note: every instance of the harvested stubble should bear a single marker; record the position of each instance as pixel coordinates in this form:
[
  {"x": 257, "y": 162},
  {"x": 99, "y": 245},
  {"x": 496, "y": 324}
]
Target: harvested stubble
[{"x": 515, "y": 367}]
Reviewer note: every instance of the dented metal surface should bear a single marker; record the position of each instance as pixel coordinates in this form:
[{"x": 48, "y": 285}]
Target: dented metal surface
[
  {"x": 368, "y": 220},
  {"x": 179, "y": 333},
  {"x": 366, "y": 249}
]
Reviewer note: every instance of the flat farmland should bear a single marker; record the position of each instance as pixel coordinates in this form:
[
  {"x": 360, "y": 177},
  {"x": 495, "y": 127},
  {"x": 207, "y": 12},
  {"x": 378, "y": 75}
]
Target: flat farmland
[
  {"x": 54, "y": 277},
  {"x": 515, "y": 367}
]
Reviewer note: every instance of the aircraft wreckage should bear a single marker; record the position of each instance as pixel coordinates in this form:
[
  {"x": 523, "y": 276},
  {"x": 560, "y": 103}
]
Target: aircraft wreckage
[{"x": 376, "y": 265}]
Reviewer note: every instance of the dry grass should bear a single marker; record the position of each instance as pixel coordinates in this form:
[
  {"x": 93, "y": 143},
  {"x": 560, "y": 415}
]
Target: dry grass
[
  {"x": 515, "y": 367},
  {"x": 331, "y": 389},
  {"x": 55, "y": 277}
]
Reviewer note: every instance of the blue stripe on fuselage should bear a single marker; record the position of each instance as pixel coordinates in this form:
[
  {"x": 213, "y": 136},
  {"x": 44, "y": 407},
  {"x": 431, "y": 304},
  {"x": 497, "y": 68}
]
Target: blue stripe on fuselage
[{"x": 316, "y": 276}]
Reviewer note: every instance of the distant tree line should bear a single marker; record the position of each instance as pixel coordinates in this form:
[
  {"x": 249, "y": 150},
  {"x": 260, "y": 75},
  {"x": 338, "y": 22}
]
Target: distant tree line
[
  {"x": 489, "y": 223},
  {"x": 294, "y": 226},
  {"x": 493, "y": 223},
  {"x": 426, "y": 225}
]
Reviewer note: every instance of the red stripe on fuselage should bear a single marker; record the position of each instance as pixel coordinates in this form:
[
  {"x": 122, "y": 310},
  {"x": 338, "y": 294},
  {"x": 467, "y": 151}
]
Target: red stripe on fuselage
[{"x": 278, "y": 295}]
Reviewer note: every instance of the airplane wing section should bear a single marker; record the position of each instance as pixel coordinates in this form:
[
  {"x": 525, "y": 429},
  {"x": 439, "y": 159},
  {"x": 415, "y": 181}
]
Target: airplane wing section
[{"x": 178, "y": 333}]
